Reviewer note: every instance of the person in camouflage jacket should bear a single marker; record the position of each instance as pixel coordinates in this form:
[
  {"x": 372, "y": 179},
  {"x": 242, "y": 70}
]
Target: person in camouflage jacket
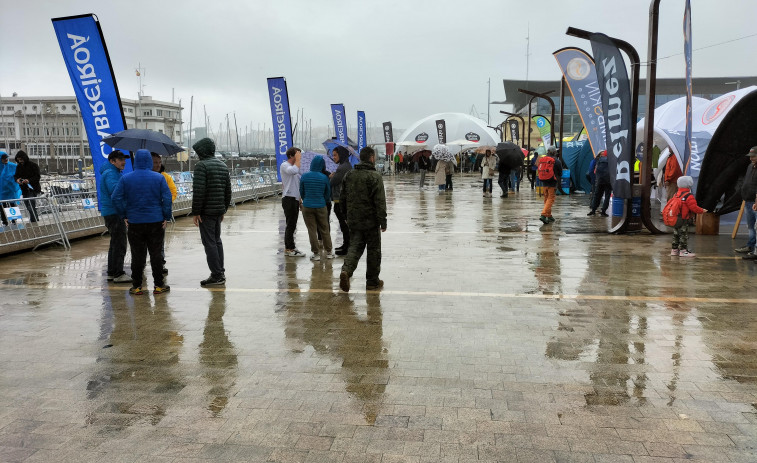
[
  {"x": 211, "y": 196},
  {"x": 363, "y": 191}
]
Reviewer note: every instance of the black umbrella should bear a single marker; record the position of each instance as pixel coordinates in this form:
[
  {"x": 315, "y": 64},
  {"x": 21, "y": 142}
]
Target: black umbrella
[
  {"x": 510, "y": 155},
  {"x": 424, "y": 152},
  {"x": 137, "y": 139}
]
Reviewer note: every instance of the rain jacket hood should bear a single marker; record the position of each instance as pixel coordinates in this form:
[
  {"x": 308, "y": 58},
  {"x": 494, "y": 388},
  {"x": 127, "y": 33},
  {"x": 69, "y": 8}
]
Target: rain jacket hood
[
  {"x": 143, "y": 160},
  {"x": 344, "y": 155},
  {"x": 205, "y": 148},
  {"x": 143, "y": 196},
  {"x": 318, "y": 164},
  {"x": 109, "y": 177}
]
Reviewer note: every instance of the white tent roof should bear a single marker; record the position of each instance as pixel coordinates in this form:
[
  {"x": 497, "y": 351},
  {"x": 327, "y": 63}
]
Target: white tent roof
[{"x": 460, "y": 126}]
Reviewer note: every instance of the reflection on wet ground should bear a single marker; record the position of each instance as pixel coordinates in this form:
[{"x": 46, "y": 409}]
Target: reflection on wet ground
[{"x": 496, "y": 338}]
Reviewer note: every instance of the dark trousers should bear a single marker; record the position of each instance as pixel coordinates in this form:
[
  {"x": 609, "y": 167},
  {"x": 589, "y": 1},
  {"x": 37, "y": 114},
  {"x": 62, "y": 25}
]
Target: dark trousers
[
  {"x": 146, "y": 238},
  {"x": 210, "y": 234},
  {"x": 291, "y": 208},
  {"x": 340, "y": 209},
  {"x": 503, "y": 179},
  {"x": 531, "y": 174},
  {"x": 359, "y": 240},
  {"x": 31, "y": 205},
  {"x": 117, "y": 249},
  {"x": 487, "y": 185},
  {"x": 601, "y": 188},
  {"x": 448, "y": 181}
]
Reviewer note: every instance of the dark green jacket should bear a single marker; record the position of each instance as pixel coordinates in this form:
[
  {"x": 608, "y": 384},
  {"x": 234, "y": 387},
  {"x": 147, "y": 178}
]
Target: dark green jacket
[
  {"x": 211, "y": 187},
  {"x": 363, "y": 189}
]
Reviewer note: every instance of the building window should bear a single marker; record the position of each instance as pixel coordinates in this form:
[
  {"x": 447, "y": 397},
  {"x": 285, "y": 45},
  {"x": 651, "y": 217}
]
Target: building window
[
  {"x": 159, "y": 112},
  {"x": 160, "y": 130},
  {"x": 147, "y": 112},
  {"x": 63, "y": 107},
  {"x": 73, "y": 106}
]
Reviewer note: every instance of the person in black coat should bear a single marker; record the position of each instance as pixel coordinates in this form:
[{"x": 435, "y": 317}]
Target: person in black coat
[{"x": 28, "y": 176}]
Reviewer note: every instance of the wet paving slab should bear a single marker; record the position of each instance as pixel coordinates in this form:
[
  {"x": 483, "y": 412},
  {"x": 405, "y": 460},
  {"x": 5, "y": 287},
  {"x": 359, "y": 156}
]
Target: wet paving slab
[{"x": 496, "y": 338}]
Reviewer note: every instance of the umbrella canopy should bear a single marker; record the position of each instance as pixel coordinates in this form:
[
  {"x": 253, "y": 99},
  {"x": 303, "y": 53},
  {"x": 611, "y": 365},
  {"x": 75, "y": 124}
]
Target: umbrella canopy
[
  {"x": 137, "y": 139},
  {"x": 332, "y": 143},
  {"x": 483, "y": 149},
  {"x": 510, "y": 155},
  {"x": 442, "y": 153},
  {"x": 424, "y": 152}
]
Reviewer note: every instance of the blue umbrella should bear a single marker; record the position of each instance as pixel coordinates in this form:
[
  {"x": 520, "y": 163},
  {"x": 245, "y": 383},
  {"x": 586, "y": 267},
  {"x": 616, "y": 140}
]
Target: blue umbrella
[
  {"x": 332, "y": 143},
  {"x": 137, "y": 139}
]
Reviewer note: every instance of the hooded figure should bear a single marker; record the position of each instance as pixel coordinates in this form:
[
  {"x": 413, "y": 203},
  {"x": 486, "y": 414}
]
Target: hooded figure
[
  {"x": 28, "y": 170},
  {"x": 9, "y": 189},
  {"x": 315, "y": 192},
  {"x": 340, "y": 207}
]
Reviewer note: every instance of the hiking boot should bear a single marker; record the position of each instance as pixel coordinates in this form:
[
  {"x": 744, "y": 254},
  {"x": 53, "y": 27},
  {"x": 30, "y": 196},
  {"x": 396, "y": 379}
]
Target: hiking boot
[
  {"x": 750, "y": 256},
  {"x": 686, "y": 253},
  {"x": 592, "y": 213},
  {"x": 674, "y": 252},
  {"x": 503, "y": 196},
  {"x": 341, "y": 252},
  {"x": 315, "y": 257},
  {"x": 373, "y": 287},
  {"x": 344, "y": 282},
  {"x": 550, "y": 219},
  {"x": 544, "y": 219},
  {"x": 137, "y": 291},
  {"x": 122, "y": 278},
  {"x": 161, "y": 289},
  {"x": 744, "y": 250},
  {"x": 213, "y": 281}
]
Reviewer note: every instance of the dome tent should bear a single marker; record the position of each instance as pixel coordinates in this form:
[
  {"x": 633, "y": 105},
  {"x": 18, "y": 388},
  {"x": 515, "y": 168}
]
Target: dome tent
[{"x": 460, "y": 126}]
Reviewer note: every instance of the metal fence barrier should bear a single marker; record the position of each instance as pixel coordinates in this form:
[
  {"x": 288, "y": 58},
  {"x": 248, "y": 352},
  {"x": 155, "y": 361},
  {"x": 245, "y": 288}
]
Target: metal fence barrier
[{"x": 68, "y": 208}]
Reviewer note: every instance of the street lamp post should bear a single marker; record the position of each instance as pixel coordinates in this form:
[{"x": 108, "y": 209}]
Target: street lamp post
[{"x": 552, "y": 105}]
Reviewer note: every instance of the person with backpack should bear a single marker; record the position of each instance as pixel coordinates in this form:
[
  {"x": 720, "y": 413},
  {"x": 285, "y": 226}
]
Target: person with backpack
[
  {"x": 549, "y": 172},
  {"x": 679, "y": 213},
  {"x": 602, "y": 185}
]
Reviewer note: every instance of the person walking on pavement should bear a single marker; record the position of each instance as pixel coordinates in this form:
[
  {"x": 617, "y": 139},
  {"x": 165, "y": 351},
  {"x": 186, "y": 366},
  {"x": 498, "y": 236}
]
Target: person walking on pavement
[
  {"x": 143, "y": 198},
  {"x": 342, "y": 158},
  {"x": 422, "y": 168},
  {"x": 290, "y": 199},
  {"x": 488, "y": 163},
  {"x": 9, "y": 189},
  {"x": 363, "y": 189},
  {"x": 549, "y": 172},
  {"x": 28, "y": 176},
  {"x": 315, "y": 192},
  {"x": 211, "y": 196},
  {"x": 110, "y": 175},
  {"x": 602, "y": 185},
  {"x": 749, "y": 195},
  {"x": 157, "y": 166}
]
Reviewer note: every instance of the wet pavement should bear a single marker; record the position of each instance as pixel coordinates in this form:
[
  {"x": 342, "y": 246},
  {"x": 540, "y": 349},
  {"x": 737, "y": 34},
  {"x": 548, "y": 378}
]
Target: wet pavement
[{"x": 496, "y": 338}]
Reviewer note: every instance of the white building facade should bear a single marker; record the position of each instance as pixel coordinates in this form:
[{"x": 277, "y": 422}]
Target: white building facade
[{"x": 50, "y": 129}]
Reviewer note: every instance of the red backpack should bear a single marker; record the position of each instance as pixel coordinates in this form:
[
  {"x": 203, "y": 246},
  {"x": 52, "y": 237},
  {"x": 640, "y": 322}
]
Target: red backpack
[
  {"x": 546, "y": 169},
  {"x": 671, "y": 213}
]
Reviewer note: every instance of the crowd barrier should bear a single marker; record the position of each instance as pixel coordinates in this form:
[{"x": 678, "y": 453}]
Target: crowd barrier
[{"x": 68, "y": 208}]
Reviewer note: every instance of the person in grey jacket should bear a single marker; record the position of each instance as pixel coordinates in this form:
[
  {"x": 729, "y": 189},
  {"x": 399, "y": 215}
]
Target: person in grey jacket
[{"x": 342, "y": 158}]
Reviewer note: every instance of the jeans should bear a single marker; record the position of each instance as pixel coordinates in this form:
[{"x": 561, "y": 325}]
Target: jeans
[
  {"x": 31, "y": 205},
  {"x": 291, "y": 208},
  {"x": 146, "y": 238},
  {"x": 448, "y": 181},
  {"x": 504, "y": 175},
  {"x": 117, "y": 250},
  {"x": 750, "y": 220},
  {"x": 361, "y": 239},
  {"x": 515, "y": 180},
  {"x": 316, "y": 220},
  {"x": 601, "y": 188},
  {"x": 549, "y": 199},
  {"x": 210, "y": 234},
  {"x": 488, "y": 185},
  {"x": 423, "y": 178},
  {"x": 340, "y": 209}
]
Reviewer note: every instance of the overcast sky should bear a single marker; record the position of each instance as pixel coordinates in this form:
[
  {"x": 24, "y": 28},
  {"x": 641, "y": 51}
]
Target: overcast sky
[{"x": 396, "y": 60}]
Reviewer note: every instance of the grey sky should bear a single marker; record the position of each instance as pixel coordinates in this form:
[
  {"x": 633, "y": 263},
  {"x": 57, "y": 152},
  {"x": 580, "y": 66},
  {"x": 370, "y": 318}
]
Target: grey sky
[{"x": 396, "y": 60}]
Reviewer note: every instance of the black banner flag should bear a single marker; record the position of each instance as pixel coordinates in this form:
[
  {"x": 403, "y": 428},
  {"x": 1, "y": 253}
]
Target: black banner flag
[
  {"x": 441, "y": 131},
  {"x": 388, "y": 136}
]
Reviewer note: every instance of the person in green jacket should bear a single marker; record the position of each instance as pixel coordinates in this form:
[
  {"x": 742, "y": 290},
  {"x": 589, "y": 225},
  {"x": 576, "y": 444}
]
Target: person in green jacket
[
  {"x": 363, "y": 190},
  {"x": 211, "y": 196}
]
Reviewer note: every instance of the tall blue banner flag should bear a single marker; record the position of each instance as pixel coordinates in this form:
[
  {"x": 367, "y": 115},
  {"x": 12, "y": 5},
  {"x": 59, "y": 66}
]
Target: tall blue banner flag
[
  {"x": 281, "y": 119},
  {"x": 340, "y": 124},
  {"x": 616, "y": 108},
  {"x": 86, "y": 56},
  {"x": 689, "y": 90},
  {"x": 361, "y": 132},
  {"x": 580, "y": 74}
]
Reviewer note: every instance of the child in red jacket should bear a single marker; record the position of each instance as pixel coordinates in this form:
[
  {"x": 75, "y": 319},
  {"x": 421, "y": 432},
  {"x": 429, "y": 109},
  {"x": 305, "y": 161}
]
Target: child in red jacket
[{"x": 689, "y": 208}]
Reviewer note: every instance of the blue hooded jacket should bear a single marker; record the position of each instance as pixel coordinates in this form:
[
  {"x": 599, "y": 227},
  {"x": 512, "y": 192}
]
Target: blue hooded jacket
[
  {"x": 9, "y": 189},
  {"x": 142, "y": 196},
  {"x": 109, "y": 177},
  {"x": 315, "y": 190}
]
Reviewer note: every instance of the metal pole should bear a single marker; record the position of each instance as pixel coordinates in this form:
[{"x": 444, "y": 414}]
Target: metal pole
[
  {"x": 562, "y": 110},
  {"x": 552, "y": 105},
  {"x": 189, "y": 148},
  {"x": 488, "y": 102}
]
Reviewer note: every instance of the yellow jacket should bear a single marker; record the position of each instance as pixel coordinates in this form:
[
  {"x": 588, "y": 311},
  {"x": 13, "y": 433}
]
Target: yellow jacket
[{"x": 171, "y": 186}]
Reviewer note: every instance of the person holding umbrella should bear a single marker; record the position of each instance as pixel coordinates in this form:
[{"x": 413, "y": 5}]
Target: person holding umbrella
[
  {"x": 510, "y": 159},
  {"x": 342, "y": 158},
  {"x": 444, "y": 159}
]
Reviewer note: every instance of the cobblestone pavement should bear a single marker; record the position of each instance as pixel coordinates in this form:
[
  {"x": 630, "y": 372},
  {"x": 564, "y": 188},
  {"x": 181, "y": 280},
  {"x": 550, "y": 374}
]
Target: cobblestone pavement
[{"x": 496, "y": 338}]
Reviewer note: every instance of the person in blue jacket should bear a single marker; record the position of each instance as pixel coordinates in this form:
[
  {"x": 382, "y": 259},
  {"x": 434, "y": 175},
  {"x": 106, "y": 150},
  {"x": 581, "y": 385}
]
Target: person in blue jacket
[
  {"x": 142, "y": 197},
  {"x": 9, "y": 189},
  {"x": 110, "y": 174},
  {"x": 315, "y": 193}
]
